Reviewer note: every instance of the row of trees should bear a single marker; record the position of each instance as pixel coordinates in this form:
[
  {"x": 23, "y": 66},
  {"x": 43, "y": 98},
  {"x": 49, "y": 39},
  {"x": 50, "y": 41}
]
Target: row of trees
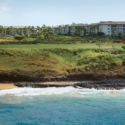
[
  {"x": 79, "y": 30},
  {"x": 31, "y": 29}
]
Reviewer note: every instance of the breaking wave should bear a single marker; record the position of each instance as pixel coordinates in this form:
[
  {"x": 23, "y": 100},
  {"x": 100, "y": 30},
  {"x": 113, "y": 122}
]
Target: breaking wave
[{"x": 56, "y": 91}]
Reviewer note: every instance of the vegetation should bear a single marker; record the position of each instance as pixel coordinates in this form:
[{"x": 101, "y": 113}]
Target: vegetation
[
  {"x": 59, "y": 60},
  {"x": 51, "y": 53},
  {"x": 52, "y": 39}
]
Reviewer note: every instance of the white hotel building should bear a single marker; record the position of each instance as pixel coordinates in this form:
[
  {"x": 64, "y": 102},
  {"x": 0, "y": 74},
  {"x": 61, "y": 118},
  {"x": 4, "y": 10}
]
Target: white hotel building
[{"x": 104, "y": 26}]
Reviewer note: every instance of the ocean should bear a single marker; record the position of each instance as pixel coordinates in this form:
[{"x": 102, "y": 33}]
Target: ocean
[{"x": 62, "y": 106}]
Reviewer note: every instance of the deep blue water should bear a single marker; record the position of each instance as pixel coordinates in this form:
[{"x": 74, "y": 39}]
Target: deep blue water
[{"x": 65, "y": 109}]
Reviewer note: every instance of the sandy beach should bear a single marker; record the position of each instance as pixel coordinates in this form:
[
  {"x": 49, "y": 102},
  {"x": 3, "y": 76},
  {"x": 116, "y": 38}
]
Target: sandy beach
[
  {"x": 11, "y": 86},
  {"x": 7, "y": 86}
]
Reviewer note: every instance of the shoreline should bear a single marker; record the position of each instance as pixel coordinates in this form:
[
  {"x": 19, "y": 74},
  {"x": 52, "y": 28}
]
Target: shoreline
[
  {"x": 7, "y": 86},
  {"x": 103, "y": 84},
  {"x": 4, "y": 86}
]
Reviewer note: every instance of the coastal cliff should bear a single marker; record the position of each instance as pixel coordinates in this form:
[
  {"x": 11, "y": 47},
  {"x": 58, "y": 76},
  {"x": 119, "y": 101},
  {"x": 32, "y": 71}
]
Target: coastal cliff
[{"x": 43, "y": 65}]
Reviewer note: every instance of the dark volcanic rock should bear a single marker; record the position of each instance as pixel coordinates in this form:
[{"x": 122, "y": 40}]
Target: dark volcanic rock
[
  {"x": 119, "y": 84},
  {"x": 97, "y": 85},
  {"x": 37, "y": 85}
]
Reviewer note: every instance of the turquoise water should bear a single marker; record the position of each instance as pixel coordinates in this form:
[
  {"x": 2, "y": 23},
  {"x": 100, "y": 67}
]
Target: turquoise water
[{"x": 62, "y": 107}]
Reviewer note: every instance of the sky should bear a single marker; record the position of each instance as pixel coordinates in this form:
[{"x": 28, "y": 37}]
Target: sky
[{"x": 59, "y": 12}]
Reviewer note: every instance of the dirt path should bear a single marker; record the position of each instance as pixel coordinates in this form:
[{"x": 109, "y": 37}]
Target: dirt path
[{"x": 5, "y": 40}]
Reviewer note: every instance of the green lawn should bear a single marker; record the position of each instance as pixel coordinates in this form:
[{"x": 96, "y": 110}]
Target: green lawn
[{"x": 30, "y": 46}]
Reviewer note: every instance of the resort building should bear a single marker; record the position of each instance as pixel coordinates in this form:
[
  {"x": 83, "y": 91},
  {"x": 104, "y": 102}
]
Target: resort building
[
  {"x": 85, "y": 29},
  {"x": 108, "y": 26},
  {"x": 103, "y": 26},
  {"x": 12, "y": 30}
]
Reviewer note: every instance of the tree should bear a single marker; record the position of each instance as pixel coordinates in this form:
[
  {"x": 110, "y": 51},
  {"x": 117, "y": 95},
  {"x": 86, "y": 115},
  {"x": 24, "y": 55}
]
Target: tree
[
  {"x": 77, "y": 31},
  {"x": 4, "y": 31},
  {"x": 44, "y": 26},
  {"x": 123, "y": 47},
  {"x": 38, "y": 28},
  {"x": 25, "y": 29},
  {"x": 71, "y": 29},
  {"x": 99, "y": 44},
  {"x": 113, "y": 32},
  {"x": 123, "y": 37},
  {"x": 21, "y": 30},
  {"x": 32, "y": 29},
  {"x": 14, "y": 31},
  {"x": 91, "y": 28},
  {"x": 10, "y": 30},
  {"x": 65, "y": 28},
  {"x": 49, "y": 29},
  {"x": 97, "y": 27},
  {"x": 83, "y": 28},
  {"x": 59, "y": 28},
  {"x": 1, "y": 29}
]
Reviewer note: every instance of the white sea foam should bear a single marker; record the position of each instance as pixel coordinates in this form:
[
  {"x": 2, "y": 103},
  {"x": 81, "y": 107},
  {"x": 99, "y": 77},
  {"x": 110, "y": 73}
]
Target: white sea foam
[{"x": 55, "y": 91}]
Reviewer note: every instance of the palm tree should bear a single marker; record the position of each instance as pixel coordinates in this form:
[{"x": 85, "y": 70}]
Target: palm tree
[
  {"x": 29, "y": 29},
  {"x": 65, "y": 28},
  {"x": 97, "y": 27},
  {"x": 18, "y": 31},
  {"x": 4, "y": 31},
  {"x": 10, "y": 30},
  {"x": 38, "y": 28},
  {"x": 41, "y": 30},
  {"x": 49, "y": 29},
  {"x": 59, "y": 28},
  {"x": 14, "y": 31},
  {"x": 83, "y": 28},
  {"x": 1, "y": 29},
  {"x": 94, "y": 28},
  {"x": 32, "y": 29},
  {"x": 25, "y": 29},
  {"x": 44, "y": 26},
  {"x": 21, "y": 30},
  {"x": 69, "y": 33},
  {"x": 77, "y": 30},
  {"x": 44, "y": 29},
  {"x": 113, "y": 32},
  {"x": 91, "y": 28}
]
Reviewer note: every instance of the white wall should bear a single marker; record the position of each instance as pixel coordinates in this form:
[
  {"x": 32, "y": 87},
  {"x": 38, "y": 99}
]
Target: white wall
[{"x": 106, "y": 29}]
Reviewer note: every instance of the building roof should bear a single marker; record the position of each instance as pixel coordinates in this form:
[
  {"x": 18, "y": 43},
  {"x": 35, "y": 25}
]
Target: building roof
[
  {"x": 110, "y": 50},
  {"x": 80, "y": 24},
  {"x": 93, "y": 24},
  {"x": 17, "y": 26},
  {"x": 112, "y": 22}
]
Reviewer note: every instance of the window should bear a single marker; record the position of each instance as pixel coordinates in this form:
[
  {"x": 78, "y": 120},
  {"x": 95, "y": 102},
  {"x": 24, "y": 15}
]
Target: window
[
  {"x": 108, "y": 28},
  {"x": 108, "y": 31},
  {"x": 113, "y": 25},
  {"x": 108, "y": 25}
]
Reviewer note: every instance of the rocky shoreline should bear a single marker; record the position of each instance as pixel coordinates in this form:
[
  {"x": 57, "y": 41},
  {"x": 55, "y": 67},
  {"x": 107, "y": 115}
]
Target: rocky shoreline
[
  {"x": 110, "y": 84},
  {"x": 100, "y": 80}
]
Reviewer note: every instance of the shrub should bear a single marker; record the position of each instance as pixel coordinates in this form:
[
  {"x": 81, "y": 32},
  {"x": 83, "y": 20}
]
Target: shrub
[
  {"x": 117, "y": 41},
  {"x": 123, "y": 37},
  {"x": 19, "y": 37},
  {"x": 123, "y": 47},
  {"x": 100, "y": 33}
]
